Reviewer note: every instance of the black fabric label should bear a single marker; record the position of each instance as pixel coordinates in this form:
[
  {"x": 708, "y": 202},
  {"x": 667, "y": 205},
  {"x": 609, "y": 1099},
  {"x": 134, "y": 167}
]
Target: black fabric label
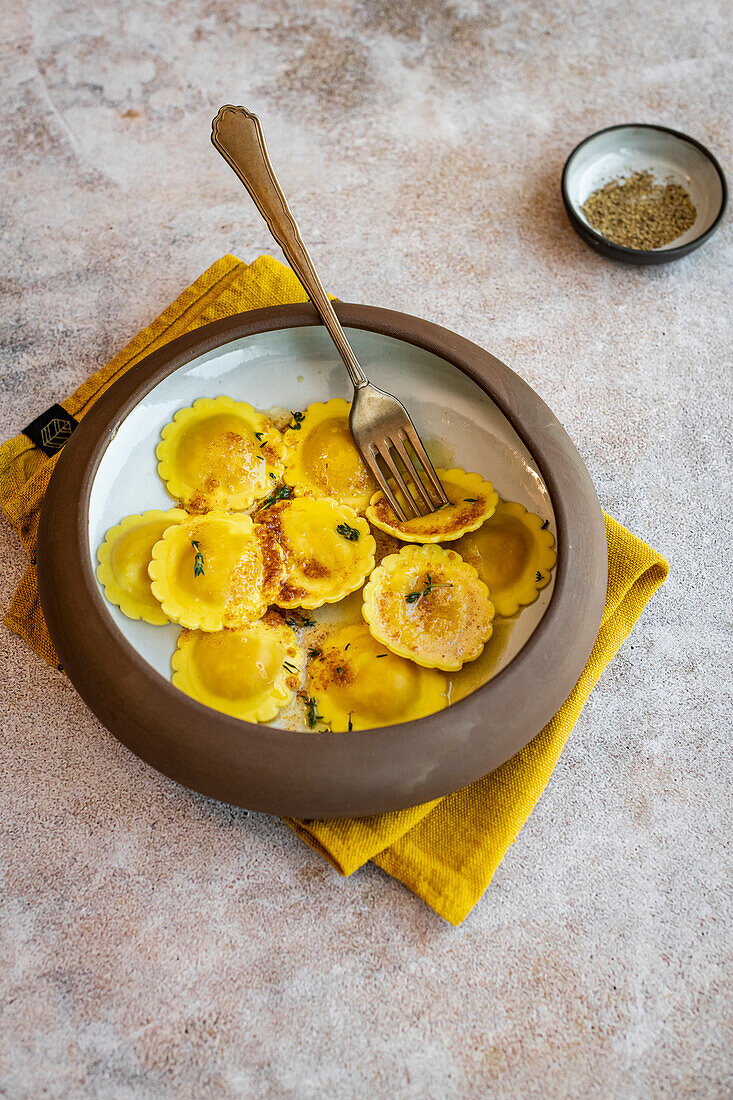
[{"x": 51, "y": 429}]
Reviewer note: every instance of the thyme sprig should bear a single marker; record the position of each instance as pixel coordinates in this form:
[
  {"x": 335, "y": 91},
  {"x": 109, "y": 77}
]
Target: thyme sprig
[
  {"x": 298, "y": 417},
  {"x": 539, "y": 576},
  {"x": 284, "y": 492},
  {"x": 413, "y": 597},
  {"x": 311, "y": 705},
  {"x": 198, "y": 561},
  {"x": 349, "y": 533},
  {"x": 301, "y": 621},
  {"x": 314, "y": 652}
]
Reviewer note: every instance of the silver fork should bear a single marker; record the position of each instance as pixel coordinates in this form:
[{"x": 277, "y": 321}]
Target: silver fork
[{"x": 380, "y": 424}]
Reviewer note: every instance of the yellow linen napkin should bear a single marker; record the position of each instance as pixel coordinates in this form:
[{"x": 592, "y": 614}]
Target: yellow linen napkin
[{"x": 446, "y": 850}]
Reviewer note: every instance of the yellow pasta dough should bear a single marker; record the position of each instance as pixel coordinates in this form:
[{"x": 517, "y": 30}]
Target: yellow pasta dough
[
  {"x": 327, "y": 549},
  {"x": 124, "y": 557},
  {"x": 513, "y": 553},
  {"x": 472, "y": 501},
  {"x": 214, "y": 571},
  {"x": 321, "y": 457},
  {"x": 427, "y": 604},
  {"x": 280, "y": 519},
  {"x": 219, "y": 455},
  {"x": 358, "y": 684},
  {"x": 251, "y": 672}
]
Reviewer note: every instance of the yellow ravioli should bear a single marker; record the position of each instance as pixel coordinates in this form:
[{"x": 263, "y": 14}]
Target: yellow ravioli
[
  {"x": 513, "y": 553},
  {"x": 358, "y": 684},
  {"x": 219, "y": 455},
  {"x": 327, "y": 549},
  {"x": 250, "y": 673},
  {"x": 124, "y": 557},
  {"x": 427, "y": 604},
  {"x": 472, "y": 501},
  {"x": 321, "y": 457},
  {"x": 214, "y": 571}
]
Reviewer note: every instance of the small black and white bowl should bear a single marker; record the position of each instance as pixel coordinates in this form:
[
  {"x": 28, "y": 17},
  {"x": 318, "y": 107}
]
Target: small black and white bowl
[{"x": 672, "y": 157}]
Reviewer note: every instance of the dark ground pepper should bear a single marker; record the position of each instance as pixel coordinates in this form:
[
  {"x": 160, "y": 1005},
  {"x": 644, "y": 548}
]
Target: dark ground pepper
[{"x": 639, "y": 213}]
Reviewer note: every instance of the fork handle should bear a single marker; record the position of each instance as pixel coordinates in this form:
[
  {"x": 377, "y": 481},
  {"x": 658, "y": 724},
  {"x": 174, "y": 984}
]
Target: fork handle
[{"x": 238, "y": 136}]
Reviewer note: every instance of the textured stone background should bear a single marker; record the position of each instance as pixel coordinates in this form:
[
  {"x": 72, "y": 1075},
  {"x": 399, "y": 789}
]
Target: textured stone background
[{"x": 157, "y": 944}]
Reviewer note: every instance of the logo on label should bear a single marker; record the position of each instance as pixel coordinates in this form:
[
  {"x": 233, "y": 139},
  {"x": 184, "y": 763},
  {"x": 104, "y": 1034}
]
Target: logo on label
[
  {"x": 55, "y": 434},
  {"x": 51, "y": 429}
]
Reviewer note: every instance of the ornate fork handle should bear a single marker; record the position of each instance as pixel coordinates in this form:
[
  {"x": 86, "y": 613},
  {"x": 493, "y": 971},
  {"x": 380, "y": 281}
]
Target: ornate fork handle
[{"x": 238, "y": 136}]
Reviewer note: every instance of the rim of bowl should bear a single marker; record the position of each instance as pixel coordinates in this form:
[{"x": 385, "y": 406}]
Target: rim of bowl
[
  {"x": 192, "y": 743},
  {"x": 622, "y": 249}
]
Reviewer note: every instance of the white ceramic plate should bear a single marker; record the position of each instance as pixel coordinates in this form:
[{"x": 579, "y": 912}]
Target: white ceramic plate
[{"x": 291, "y": 368}]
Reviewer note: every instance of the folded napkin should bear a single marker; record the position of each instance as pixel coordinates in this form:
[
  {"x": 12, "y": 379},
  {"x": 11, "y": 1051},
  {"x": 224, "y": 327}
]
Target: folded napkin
[{"x": 447, "y": 850}]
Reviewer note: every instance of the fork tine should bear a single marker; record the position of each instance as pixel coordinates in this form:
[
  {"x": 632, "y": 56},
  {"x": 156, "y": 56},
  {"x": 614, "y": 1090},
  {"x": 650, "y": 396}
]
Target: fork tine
[
  {"x": 414, "y": 439},
  {"x": 412, "y": 471},
  {"x": 369, "y": 456},
  {"x": 397, "y": 475}
]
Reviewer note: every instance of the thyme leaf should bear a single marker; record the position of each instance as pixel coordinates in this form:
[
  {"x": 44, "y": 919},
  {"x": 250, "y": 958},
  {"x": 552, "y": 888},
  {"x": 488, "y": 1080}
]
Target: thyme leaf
[
  {"x": 290, "y": 668},
  {"x": 312, "y": 714},
  {"x": 347, "y": 532},
  {"x": 539, "y": 576},
  {"x": 470, "y": 500},
  {"x": 413, "y": 597},
  {"x": 198, "y": 561},
  {"x": 295, "y": 623},
  {"x": 545, "y": 525},
  {"x": 351, "y": 724},
  {"x": 314, "y": 651},
  {"x": 283, "y": 493},
  {"x": 298, "y": 417}
]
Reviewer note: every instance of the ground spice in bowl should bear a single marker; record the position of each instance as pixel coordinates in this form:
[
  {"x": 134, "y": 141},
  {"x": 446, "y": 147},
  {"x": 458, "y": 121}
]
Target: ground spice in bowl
[{"x": 637, "y": 212}]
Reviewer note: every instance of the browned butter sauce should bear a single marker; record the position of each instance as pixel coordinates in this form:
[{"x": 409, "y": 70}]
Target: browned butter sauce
[{"x": 347, "y": 612}]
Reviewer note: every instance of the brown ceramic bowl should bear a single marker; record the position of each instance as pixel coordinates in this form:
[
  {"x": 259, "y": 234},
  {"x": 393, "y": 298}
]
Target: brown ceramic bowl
[{"x": 458, "y": 393}]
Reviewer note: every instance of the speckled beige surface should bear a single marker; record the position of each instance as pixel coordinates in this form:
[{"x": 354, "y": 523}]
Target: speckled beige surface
[{"x": 156, "y": 944}]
